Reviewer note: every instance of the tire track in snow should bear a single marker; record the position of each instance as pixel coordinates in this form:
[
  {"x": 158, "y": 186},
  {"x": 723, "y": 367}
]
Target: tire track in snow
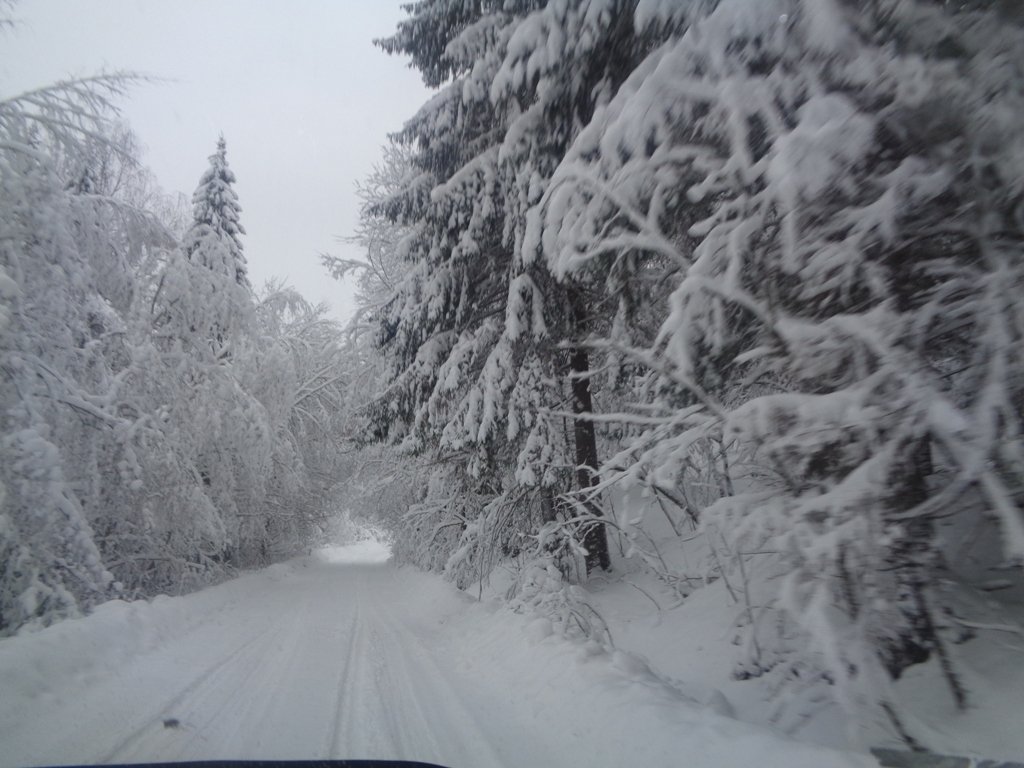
[
  {"x": 431, "y": 705},
  {"x": 365, "y": 728},
  {"x": 240, "y": 716},
  {"x": 338, "y": 731},
  {"x": 209, "y": 677}
]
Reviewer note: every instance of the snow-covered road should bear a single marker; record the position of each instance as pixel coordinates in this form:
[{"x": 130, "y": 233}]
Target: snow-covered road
[
  {"x": 340, "y": 656},
  {"x": 322, "y": 661}
]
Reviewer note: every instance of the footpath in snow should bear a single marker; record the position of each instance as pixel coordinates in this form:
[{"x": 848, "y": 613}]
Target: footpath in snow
[{"x": 342, "y": 655}]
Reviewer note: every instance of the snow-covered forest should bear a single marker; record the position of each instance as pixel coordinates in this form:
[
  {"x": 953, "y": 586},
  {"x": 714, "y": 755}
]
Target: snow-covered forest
[
  {"x": 163, "y": 423},
  {"x": 717, "y": 301}
]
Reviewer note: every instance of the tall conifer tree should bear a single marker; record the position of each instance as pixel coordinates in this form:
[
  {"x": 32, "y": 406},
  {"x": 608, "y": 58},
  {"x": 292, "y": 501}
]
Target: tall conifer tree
[{"x": 213, "y": 238}]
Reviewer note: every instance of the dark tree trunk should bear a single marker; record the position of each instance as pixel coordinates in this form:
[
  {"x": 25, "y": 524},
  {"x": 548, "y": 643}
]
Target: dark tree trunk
[
  {"x": 914, "y": 558},
  {"x": 595, "y": 538},
  {"x": 908, "y": 558}
]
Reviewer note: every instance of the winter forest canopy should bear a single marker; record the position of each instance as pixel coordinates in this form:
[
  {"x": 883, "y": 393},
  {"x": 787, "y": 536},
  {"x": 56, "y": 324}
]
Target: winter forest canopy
[{"x": 727, "y": 292}]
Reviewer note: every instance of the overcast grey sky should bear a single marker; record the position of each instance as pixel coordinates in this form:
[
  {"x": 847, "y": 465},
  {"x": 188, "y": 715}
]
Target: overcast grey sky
[{"x": 302, "y": 96}]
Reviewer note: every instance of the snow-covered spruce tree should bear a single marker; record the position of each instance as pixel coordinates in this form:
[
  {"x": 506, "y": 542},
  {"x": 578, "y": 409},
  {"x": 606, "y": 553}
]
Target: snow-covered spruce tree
[
  {"x": 248, "y": 399},
  {"x": 484, "y": 346},
  {"x": 213, "y": 239},
  {"x": 202, "y": 316},
  {"x": 205, "y": 297},
  {"x": 442, "y": 331},
  {"x": 834, "y": 190},
  {"x": 560, "y": 65}
]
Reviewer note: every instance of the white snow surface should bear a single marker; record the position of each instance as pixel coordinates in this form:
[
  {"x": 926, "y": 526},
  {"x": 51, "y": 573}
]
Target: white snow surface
[{"x": 343, "y": 655}]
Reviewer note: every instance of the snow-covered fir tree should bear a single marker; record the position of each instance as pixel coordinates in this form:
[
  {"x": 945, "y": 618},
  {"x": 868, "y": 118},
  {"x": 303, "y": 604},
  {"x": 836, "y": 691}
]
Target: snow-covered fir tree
[
  {"x": 754, "y": 230},
  {"x": 841, "y": 310},
  {"x": 204, "y": 298},
  {"x": 213, "y": 239},
  {"x": 486, "y": 348}
]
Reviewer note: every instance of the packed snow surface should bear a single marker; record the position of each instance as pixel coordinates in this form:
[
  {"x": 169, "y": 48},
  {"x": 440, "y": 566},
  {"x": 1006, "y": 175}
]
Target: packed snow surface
[{"x": 343, "y": 655}]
